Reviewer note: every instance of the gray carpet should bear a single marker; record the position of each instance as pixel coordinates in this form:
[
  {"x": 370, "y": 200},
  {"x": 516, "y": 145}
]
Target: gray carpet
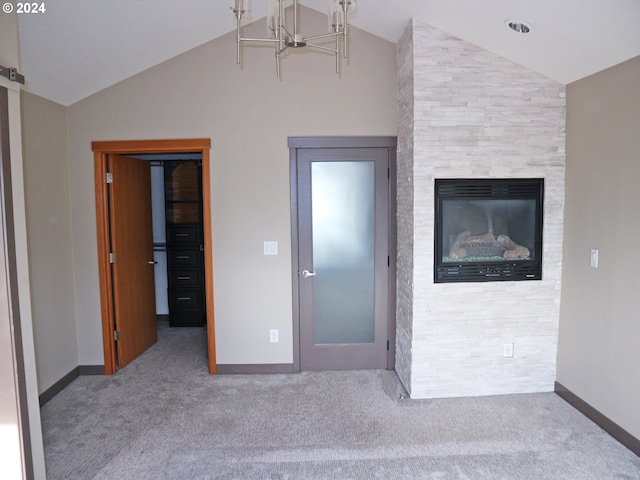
[{"x": 164, "y": 417}]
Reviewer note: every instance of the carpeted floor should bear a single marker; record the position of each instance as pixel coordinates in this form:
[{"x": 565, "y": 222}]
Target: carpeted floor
[{"x": 165, "y": 417}]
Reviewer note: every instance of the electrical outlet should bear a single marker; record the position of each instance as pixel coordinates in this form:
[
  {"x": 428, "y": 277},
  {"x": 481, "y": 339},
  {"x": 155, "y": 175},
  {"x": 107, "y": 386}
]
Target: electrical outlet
[
  {"x": 507, "y": 350},
  {"x": 274, "y": 335}
]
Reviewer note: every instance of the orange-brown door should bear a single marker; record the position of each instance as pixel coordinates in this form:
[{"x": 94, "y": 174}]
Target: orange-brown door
[{"x": 132, "y": 246}]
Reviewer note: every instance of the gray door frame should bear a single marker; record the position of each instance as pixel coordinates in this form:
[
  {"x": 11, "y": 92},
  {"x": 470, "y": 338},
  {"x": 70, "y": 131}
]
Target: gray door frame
[
  {"x": 300, "y": 143},
  {"x": 15, "y": 402}
]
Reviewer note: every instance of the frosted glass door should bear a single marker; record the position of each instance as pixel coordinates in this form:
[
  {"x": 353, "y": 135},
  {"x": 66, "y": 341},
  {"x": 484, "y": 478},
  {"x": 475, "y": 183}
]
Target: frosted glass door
[{"x": 342, "y": 203}]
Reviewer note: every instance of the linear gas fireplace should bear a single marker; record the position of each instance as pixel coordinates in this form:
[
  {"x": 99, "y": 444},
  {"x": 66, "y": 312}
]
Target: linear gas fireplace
[{"x": 488, "y": 229}]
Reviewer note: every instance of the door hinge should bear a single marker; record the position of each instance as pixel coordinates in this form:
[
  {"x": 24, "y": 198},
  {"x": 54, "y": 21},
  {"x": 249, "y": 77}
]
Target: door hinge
[
  {"x": 116, "y": 335},
  {"x": 387, "y": 345},
  {"x": 11, "y": 73},
  {"x": 388, "y": 261},
  {"x": 109, "y": 177},
  {"x": 112, "y": 258}
]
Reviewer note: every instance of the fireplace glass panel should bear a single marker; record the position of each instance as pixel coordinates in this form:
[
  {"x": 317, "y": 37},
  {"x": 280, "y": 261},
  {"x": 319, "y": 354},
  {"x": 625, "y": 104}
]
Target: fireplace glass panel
[{"x": 488, "y": 230}]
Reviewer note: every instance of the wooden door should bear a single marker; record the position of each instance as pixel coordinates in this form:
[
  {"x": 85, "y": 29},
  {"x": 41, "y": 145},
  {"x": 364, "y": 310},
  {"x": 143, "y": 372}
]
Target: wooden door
[{"x": 132, "y": 246}]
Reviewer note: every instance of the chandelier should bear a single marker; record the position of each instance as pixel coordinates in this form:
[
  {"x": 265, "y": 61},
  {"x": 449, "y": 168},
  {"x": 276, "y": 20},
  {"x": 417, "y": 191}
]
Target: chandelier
[{"x": 285, "y": 37}]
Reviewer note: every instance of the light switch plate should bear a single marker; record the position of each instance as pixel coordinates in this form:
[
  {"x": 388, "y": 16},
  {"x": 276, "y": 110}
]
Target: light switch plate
[
  {"x": 594, "y": 257},
  {"x": 270, "y": 247}
]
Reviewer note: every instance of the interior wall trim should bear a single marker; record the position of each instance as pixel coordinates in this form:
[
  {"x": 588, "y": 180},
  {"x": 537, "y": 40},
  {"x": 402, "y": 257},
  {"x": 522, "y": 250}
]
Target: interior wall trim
[
  {"x": 61, "y": 384},
  {"x": 91, "y": 369},
  {"x": 262, "y": 368},
  {"x": 608, "y": 425},
  {"x": 304, "y": 143},
  {"x": 9, "y": 295},
  {"x": 101, "y": 150}
]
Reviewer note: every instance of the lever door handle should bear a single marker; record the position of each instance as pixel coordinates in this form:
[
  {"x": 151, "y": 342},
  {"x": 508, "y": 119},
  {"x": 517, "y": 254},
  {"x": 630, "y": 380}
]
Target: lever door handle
[
  {"x": 152, "y": 262},
  {"x": 307, "y": 274}
]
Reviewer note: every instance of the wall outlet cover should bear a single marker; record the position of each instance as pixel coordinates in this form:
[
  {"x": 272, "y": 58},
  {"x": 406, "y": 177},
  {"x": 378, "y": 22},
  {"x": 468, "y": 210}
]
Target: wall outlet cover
[
  {"x": 508, "y": 350},
  {"x": 274, "y": 335}
]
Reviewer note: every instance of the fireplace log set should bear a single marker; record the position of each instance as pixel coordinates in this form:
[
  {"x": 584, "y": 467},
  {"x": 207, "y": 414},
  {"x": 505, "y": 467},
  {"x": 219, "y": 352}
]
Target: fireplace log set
[{"x": 486, "y": 245}]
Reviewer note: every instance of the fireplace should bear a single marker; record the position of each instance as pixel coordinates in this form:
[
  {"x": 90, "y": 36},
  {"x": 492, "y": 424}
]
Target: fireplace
[{"x": 488, "y": 229}]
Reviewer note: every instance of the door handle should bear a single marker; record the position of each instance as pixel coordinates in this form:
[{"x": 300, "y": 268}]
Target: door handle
[
  {"x": 307, "y": 274},
  {"x": 152, "y": 262}
]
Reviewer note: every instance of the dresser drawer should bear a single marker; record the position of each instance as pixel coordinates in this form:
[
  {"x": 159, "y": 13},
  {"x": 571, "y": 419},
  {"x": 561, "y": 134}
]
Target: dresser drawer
[
  {"x": 184, "y": 298},
  {"x": 186, "y": 317},
  {"x": 183, "y": 277},
  {"x": 184, "y": 257},
  {"x": 183, "y": 234}
]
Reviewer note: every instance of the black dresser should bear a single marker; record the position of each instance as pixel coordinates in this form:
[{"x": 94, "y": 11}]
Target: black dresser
[{"x": 185, "y": 243}]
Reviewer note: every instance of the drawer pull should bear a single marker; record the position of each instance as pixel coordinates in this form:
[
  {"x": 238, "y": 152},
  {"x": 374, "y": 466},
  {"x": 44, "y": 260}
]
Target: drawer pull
[
  {"x": 183, "y": 278},
  {"x": 182, "y": 257},
  {"x": 184, "y": 298},
  {"x": 182, "y": 234}
]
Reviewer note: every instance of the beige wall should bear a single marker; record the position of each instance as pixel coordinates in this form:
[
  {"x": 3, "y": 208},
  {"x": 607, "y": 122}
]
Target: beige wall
[
  {"x": 248, "y": 114},
  {"x": 49, "y": 232},
  {"x": 599, "y": 341}
]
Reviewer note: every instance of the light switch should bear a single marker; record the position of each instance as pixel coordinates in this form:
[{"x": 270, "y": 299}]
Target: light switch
[
  {"x": 270, "y": 248},
  {"x": 594, "y": 257}
]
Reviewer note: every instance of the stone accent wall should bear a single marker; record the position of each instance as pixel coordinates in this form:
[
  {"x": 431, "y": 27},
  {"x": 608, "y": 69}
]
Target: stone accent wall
[
  {"x": 404, "y": 279},
  {"x": 475, "y": 115}
]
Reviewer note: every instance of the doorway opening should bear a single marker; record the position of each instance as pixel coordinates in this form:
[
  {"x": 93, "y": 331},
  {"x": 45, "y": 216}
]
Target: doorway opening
[{"x": 108, "y": 294}]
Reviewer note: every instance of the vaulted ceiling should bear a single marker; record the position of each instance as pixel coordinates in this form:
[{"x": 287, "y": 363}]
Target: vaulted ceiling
[{"x": 77, "y": 48}]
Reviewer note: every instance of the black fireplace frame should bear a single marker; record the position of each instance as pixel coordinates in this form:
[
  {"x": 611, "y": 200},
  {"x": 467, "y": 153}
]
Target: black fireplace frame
[{"x": 488, "y": 189}]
